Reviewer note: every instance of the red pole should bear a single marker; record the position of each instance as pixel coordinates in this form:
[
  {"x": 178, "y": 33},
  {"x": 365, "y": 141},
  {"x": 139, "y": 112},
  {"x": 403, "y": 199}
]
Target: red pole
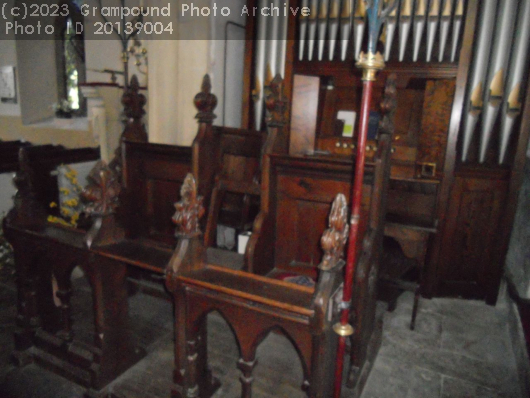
[{"x": 353, "y": 248}]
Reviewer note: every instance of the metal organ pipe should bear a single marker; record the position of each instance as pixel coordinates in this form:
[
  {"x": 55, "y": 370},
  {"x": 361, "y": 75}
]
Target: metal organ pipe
[
  {"x": 405, "y": 21},
  {"x": 445, "y": 22},
  {"x": 457, "y": 26},
  {"x": 322, "y": 27},
  {"x": 284, "y": 22},
  {"x": 312, "y": 28},
  {"x": 346, "y": 18},
  {"x": 261, "y": 65},
  {"x": 432, "y": 26},
  {"x": 303, "y": 30},
  {"x": 391, "y": 23},
  {"x": 475, "y": 95},
  {"x": 512, "y": 104},
  {"x": 359, "y": 24},
  {"x": 333, "y": 26},
  {"x": 271, "y": 48},
  {"x": 420, "y": 15},
  {"x": 273, "y": 35},
  {"x": 503, "y": 39}
]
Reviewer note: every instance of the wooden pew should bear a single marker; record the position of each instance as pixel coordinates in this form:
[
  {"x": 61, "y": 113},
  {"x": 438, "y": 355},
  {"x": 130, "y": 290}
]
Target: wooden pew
[
  {"x": 130, "y": 203},
  {"x": 296, "y": 194},
  {"x": 154, "y": 175},
  {"x": 44, "y": 160},
  {"x": 45, "y": 256}
]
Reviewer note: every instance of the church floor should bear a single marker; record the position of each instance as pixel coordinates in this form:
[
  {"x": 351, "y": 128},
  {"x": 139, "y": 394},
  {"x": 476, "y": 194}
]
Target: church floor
[{"x": 459, "y": 349}]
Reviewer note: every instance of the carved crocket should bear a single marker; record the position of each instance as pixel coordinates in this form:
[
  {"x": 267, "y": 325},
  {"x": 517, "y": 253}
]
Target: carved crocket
[
  {"x": 189, "y": 209},
  {"x": 334, "y": 238}
]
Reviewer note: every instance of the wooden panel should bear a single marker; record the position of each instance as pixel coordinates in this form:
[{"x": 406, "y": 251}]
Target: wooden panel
[
  {"x": 439, "y": 95},
  {"x": 302, "y": 208},
  {"x": 161, "y": 196},
  {"x": 302, "y": 224},
  {"x": 304, "y": 114},
  {"x": 154, "y": 176},
  {"x": 470, "y": 257},
  {"x": 240, "y": 168}
]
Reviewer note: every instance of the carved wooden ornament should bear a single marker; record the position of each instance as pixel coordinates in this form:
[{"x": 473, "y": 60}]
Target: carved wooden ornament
[
  {"x": 102, "y": 192},
  {"x": 205, "y": 102},
  {"x": 388, "y": 106},
  {"x": 133, "y": 103},
  {"x": 189, "y": 209},
  {"x": 276, "y": 103},
  {"x": 334, "y": 238}
]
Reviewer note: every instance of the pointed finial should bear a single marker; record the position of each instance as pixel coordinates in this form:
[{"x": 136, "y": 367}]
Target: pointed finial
[
  {"x": 205, "y": 102},
  {"x": 275, "y": 103},
  {"x": 133, "y": 103}
]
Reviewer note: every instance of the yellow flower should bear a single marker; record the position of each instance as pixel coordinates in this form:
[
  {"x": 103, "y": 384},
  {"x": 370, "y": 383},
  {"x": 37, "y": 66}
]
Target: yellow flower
[
  {"x": 57, "y": 220},
  {"x": 53, "y": 204},
  {"x": 65, "y": 191}
]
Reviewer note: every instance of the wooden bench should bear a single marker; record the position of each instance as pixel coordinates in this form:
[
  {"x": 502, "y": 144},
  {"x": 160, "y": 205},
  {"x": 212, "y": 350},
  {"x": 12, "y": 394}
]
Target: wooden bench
[
  {"x": 130, "y": 202},
  {"x": 296, "y": 193}
]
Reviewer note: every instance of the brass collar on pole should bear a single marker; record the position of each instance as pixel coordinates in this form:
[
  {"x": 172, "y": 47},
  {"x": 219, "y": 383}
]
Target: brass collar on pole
[{"x": 371, "y": 64}]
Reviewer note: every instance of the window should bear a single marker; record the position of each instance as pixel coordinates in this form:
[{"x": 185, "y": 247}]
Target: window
[{"x": 70, "y": 56}]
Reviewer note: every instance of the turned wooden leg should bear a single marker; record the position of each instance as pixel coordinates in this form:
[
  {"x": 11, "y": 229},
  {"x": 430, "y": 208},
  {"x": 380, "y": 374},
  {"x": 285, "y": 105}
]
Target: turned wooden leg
[
  {"x": 192, "y": 385},
  {"x": 421, "y": 266},
  {"x": 246, "y": 367},
  {"x": 415, "y": 308}
]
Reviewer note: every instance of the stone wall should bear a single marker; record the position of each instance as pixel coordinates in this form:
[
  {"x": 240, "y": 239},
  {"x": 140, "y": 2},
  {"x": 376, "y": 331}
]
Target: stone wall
[{"x": 518, "y": 258}]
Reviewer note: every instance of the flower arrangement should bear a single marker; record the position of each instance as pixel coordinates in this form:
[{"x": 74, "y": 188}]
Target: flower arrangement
[
  {"x": 62, "y": 109},
  {"x": 70, "y": 205}
]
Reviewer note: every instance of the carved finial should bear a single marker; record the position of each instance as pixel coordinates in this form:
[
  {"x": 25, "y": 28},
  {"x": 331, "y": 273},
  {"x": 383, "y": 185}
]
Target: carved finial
[
  {"x": 334, "y": 238},
  {"x": 205, "y": 102},
  {"x": 133, "y": 102},
  {"x": 388, "y": 106},
  {"x": 275, "y": 102},
  {"x": 102, "y": 192},
  {"x": 189, "y": 209}
]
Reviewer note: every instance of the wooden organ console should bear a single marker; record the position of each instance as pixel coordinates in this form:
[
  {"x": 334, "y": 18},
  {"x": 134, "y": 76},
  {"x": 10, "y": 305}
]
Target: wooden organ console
[{"x": 461, "y": 131}]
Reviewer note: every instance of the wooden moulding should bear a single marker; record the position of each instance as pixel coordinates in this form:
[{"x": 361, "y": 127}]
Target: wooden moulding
[{"x": 304, "y": 114}]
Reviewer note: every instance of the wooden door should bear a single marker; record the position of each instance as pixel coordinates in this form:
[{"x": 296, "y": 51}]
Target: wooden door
[{"x": 471, "y": 261}]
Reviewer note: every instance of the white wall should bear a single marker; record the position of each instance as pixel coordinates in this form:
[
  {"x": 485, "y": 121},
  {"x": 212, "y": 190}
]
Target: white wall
[
  {"x": 228, "y": 114},
  {"x": 178, "y": 66},
  {"x": 8, "y": 57},
  {"x": 7, "y": 192}
]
